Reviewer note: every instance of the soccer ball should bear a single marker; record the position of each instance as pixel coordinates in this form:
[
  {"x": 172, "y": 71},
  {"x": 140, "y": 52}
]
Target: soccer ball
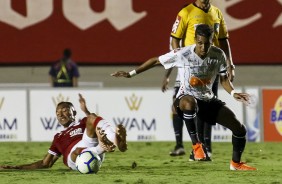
[{"x": 88, "y": 162}]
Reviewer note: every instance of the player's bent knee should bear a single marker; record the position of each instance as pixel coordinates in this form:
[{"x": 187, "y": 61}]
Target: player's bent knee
[
  {"x": 187, "y": 103},
  {"x": 240, "y": 131}
]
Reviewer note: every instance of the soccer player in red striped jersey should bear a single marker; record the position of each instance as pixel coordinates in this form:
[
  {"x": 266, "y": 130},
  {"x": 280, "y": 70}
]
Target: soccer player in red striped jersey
[{"x": 92, "y": 132}]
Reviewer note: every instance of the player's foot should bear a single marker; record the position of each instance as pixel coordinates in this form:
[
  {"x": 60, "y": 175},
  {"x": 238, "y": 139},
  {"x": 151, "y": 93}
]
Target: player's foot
[
  {"x": 199, "y": 154},
  {"x": 104, "y": 142},
  {"x": 241, "y": 166},
  {"x": 209, "y": 154},
  {"x": 121, "y": 138},
  {"x": 192, "y": 158},
  {"x": 178, "y": 151}
]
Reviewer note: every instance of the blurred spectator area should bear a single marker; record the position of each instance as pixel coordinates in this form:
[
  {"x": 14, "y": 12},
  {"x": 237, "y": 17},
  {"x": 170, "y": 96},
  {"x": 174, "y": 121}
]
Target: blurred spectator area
[{"x": 99, "y": 76}]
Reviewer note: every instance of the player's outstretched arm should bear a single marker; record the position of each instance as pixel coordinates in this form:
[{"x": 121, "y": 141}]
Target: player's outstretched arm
[
  {"x": 228, "y": 86},
  {"x": 166, "y": 80},
  {"x": 174, "y": 43},
  {"x": 145, "y": 66},
  {"x": 46, "y": 162},
  {"x": 84, "y": 107}
]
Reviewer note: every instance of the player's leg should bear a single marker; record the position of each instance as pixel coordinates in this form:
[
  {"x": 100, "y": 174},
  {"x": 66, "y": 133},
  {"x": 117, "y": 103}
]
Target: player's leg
[
  {"x": 117, "y": 135},
  {"x": 76, "y": 151},
  {"x": 207, "y": 138},
  {"x": 227, "y": 118},
  {"x": 207, "y": 126},
  {"x": 186, "y": 109},
  {"x": 200, "y": 124},
  {"x": 178, "y": 132},
  {"x": 93, "y": 130},
  {"x": 121, "y": 138},
  {"x": 177, "y": 123}
]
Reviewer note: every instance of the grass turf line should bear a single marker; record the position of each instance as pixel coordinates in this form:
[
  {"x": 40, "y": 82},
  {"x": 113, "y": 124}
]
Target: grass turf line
[{"x": 152, "y": 165}]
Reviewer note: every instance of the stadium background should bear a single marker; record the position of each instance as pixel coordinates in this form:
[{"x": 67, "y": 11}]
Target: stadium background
[{"x": 106, "y": 36}]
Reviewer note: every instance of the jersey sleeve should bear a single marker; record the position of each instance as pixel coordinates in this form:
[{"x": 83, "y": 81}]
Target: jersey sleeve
[
  {"x": 83, "y": 121},
  {"x": 180, "y": 25},
  {"x": 223, "y": 32},
  {"x": 223, "y": 65},
  {"x": 53, "y": 150},
  {"x": 171, "y": 59}
]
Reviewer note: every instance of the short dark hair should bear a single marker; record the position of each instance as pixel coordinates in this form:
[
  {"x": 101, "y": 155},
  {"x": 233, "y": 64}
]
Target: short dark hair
[
  {"x": 204, "y": 30},
  {"x": 67, "y": 103}
]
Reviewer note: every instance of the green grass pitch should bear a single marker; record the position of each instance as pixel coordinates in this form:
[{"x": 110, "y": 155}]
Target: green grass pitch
[{"x": 154, "y": 165}]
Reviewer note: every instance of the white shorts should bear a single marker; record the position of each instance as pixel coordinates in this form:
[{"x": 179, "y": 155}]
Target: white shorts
[
  {"x": 85, "y": 142},
  {"x": 93, "y": 142}
]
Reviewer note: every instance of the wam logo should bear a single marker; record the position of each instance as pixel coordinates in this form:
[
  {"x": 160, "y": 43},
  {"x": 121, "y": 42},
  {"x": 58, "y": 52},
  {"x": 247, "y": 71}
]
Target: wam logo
[
  {"x": 276, "y": 115},
  {"x": 59, "y": 98},
  {"x": 6, "y": 124},
  {"x": 1, "y": 102},
  {"x": 133, "y": 102}
]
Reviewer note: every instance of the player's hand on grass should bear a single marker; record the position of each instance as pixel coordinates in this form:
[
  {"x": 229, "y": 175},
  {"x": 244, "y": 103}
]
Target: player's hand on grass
[
  {"x": 8, "y": 167},
  {"x": 121, "y": 74}
]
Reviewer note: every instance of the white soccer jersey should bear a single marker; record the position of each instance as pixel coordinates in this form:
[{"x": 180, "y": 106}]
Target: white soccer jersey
[{"x": 197, "y": 75}]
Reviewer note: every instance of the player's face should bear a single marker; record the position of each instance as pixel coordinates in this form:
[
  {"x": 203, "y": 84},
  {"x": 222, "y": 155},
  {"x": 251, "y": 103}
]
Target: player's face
[
  {"x": 204, "y": 4},
  {"x": 204, "y": 1},
  {"x": 65, "y": 114},
  {"x": 203, "y": 46}
]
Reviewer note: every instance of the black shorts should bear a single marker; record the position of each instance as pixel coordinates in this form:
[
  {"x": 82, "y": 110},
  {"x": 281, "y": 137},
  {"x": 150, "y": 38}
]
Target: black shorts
[{"x": 207, "y": 110}]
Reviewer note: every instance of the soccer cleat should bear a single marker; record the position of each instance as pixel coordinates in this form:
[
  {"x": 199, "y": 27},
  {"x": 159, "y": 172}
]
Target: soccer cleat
[
  {"x": 178, "y": 151},
  {"x": 242, "y": 166},
  {"x": 121, "y": 138},
  {"x": 209, "y": 154},
  {"x": 104, "y": 142},
  {"x": 191, "y": 157},
  {"x": 199, "y": 153}
]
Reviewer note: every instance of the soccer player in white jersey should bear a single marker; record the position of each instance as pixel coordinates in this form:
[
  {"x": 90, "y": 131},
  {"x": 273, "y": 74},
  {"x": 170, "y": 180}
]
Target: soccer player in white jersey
[{"x": 201, "y": 63}]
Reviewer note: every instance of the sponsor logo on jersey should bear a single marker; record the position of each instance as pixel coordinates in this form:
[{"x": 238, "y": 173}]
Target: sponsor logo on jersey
[
  {"x": 75, "y": 132},
  {"x": 171, "y": 60},
  {"x": 176, "y": 24},
  {"x": 276, "y": 115},
  {"x": 198, "y": 82}
]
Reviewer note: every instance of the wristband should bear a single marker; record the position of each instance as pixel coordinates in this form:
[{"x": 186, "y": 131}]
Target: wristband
[
  {"x": 232, "y": 93},
  {"x": 132, "y": 73}
]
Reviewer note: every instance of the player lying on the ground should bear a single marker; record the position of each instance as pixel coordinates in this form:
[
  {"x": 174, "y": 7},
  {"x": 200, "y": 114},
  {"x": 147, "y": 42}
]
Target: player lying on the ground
[
  {"x": 201, "y": 63},
  {"x": 92, "y": 132}
]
